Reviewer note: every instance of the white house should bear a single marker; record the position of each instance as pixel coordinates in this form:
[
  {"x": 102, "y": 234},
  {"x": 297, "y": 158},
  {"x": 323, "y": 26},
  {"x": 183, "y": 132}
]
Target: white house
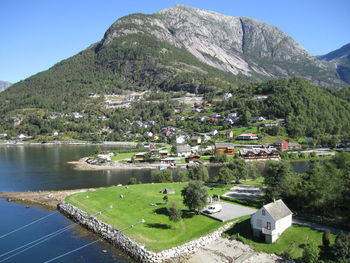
[
  {"x": 180, "y": 139},
  {"x": 21, "y": 136},
  {"x": 227, "y": 96},
  {"x": 270, "y": 221},
  {"x": 183, "y": 150},
  {"x": 214, "y": 132}
]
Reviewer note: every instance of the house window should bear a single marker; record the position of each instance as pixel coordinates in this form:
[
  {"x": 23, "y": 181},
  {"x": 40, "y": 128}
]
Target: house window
[
  {"x": 263, "y": 212},
  {"x": 268, "y": 225}
]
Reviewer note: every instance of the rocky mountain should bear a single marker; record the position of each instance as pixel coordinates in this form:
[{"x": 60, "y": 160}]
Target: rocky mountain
[
  {"x": 341, "y": 59},
  {"x": 179, "y": 48},
  {"x": 4, "y": 85},
  {"x": 237, "y": 45}
]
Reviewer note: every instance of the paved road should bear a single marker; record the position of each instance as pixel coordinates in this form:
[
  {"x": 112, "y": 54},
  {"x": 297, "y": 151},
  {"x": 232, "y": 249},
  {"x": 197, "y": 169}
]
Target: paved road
[
  {"x": 230, "y": 211},
  {"x": 317, "y": 226}
]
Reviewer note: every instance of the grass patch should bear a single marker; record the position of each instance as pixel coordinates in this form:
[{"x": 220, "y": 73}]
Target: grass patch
[
  {"x": 291, "y": 241},
  {"x": 122, "y": 156},
  {"x": 158, "y": 233},
  {"x": 254, "y": 203},
  {"x": 258, "y": 182}
]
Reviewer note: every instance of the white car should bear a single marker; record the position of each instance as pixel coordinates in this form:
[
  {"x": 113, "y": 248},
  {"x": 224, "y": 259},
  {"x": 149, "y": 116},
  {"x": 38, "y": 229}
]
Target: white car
[{"x": 214, "y": 208}]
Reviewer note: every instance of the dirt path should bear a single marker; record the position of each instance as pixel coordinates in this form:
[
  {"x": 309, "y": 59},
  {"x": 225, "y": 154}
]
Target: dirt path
[
  {"x": 47, "y": 199},
  {"x": 231, "y": 251}
]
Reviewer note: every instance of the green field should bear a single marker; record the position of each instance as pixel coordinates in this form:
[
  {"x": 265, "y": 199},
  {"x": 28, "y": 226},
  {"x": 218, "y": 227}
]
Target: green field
[
  {"x": 158, "y": 232},
  {"x": 122, "y": 156},
  {"x": 291, "y": 241}
]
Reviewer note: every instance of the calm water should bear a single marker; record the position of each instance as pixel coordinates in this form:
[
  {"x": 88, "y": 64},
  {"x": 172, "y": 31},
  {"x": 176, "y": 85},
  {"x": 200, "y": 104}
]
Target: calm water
[{"x": 25, "y": 168}]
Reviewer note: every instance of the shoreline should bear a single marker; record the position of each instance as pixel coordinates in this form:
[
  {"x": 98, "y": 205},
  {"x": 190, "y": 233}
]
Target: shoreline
[
  {"x": 83, "y": 165},
  {"x": 46, "y": 199},
  {"x": 55, "y": 143}
]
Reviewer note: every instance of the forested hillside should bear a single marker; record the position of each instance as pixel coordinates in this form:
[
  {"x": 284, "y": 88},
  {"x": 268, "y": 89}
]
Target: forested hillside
[{"x": 308, "y": 110}]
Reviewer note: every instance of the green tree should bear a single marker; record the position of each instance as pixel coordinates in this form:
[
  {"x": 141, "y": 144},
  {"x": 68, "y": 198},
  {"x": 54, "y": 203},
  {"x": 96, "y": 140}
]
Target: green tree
[
  {"x": 325, "y": 239},
  {"x": 340, "y": 250},
  {"x": 132, "y": 180},
  {"x": 310, "y": 254},
  {"x": 195, "y": 195},
  {"x": 245, "y": 117},
  {"x": 165, "y": 198},
  {"x": 225, "y": 175},
  {"x": 239, "y": 169},
  {"x": 163, "y": 176},
  {"x": 174, "y": 212},
  {"x": 276, "y": 177},
  {"x": 183, "y": 176},
  {"x": 198, "y": 173}
]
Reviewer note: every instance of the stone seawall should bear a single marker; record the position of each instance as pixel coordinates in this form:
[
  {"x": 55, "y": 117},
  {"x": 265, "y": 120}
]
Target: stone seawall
[{"x": 134, "y": 250}]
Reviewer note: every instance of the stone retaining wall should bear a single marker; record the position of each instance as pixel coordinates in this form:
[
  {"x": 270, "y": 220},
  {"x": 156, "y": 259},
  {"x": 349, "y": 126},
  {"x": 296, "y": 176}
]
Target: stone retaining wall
[{"x": 136, "y": 251}]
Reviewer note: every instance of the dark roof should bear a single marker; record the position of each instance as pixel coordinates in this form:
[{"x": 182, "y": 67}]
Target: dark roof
[
  {"x": 277, "y": 209},
  {"x": 224, "y": 145}
]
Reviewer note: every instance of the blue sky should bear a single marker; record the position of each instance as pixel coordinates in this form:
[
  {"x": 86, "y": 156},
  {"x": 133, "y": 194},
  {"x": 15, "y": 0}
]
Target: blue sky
[{"x": 36, "y": 34}]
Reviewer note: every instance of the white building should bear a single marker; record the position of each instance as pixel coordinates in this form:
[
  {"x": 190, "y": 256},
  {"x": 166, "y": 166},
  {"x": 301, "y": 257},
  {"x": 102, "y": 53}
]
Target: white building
[
  {"x": 214, "y": 132},
  {"x": 21, "y": 136},
  {"x": 270, "y": 221},
  {"x": 180, "y": 139},
  {"x": 183, "y": 150}
]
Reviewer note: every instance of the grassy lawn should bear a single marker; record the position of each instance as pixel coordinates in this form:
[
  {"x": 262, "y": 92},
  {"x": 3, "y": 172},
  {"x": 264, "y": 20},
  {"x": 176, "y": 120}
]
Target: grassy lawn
[
  {"x": 121, "y": 156},
  {"x": 258, "y": 182},
  {"x": 158, "y": 233},
  {"x": 292, "y": 240}
]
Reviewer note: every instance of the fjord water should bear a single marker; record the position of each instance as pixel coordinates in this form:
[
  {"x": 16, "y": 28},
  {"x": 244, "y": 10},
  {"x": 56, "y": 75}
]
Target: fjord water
[
  {"x": 25, "y": 168},
  {"x": 44, "y": 167}
]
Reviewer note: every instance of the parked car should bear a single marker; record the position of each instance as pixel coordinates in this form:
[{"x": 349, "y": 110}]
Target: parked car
[{"x": 214, "y": 209}]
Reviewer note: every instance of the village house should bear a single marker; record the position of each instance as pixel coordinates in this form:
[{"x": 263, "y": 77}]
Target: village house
[
  {"x": 21, "y": 136},
  {"x": 294, "y": 146},
  {"x": 257, "y": 118},
  {"x": 3, "y": 135},
  {"x": 196, "y": 139},
  {"x": 229, "y": 134},
  {"x": 193, "y": 159},
  {"x": 224, "y": 148},
  {"x": 259, "y": 153},
  {"x": 168, "y": 160},
  {"x": 214, "y": 132},
  {"x": 281, "y": 145},
  {"x": 270, "y": 221},
  {"x": 183, "y": 150},
  {"x": 180, "y": 139},
  {"x": 163, "y": 154},
  {"x": 248, "y": 137},
  {"x": 227, "y": 96},
  {"x": 140, "y": 156},
  {"x": 285, "y": 145}
]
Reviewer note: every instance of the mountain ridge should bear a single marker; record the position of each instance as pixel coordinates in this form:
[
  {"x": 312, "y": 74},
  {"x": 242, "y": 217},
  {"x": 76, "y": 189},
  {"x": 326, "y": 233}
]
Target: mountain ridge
[
  {"x": 341, "y": 59},
  {"x": 179, "y": 48},
  {"x": 207, "y": 34}
]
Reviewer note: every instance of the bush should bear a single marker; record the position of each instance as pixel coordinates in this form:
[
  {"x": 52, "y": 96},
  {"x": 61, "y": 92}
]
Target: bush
[
  {"x": 163, "y": 176},
  {"x": 132, "y": 180}
]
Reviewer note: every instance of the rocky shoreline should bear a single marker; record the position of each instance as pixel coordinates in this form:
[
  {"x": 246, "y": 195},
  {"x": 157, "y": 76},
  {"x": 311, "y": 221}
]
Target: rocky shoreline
[
  {"x": 133, "y": 249},
  {"x": 46, "y": 199},
  {"x": 85, "y": 164}
]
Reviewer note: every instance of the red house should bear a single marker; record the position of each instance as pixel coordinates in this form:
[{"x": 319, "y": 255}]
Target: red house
[{"x": 281, "y": 145}]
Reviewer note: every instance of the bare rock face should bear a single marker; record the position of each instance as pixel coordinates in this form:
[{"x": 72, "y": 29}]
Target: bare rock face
[{"x": 238, "y": 45}]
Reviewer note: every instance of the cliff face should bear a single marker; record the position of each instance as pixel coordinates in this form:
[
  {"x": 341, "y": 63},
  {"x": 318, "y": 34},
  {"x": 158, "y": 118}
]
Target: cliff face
[
  {"x": 341, "y": 60},
  {"x": 238, "y": 45}
]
